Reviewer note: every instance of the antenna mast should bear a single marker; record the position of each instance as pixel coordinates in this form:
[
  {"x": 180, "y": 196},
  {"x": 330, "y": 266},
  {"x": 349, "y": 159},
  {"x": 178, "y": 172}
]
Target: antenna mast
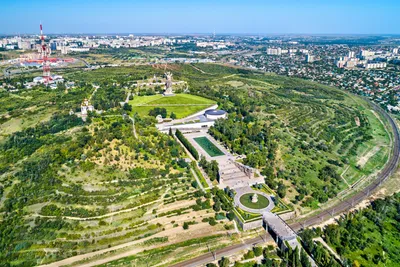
[{"x": 45, "y": 52}]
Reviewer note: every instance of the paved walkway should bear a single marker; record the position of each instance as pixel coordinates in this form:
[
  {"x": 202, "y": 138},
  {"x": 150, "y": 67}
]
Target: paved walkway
[{"x": 246, "y": 190}]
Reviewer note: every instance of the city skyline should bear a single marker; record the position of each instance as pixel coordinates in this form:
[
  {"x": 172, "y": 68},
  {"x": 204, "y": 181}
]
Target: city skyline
[{"x": 223, "y": 17}]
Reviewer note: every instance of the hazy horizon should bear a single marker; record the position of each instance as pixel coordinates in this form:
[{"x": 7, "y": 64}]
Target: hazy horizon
[
  {"x": 201, "y": 33},
  {"x": 254, "y": 17}
]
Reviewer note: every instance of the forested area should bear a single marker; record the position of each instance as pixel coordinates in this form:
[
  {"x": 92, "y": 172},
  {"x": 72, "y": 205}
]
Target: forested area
[
  {"x": 293, "y": 131},
  {"x": 367, "y": 237},
  {"x": 251, "y": 139},
  {"x": 43, "y": 166},
  {"x": 108, "y": 96}
]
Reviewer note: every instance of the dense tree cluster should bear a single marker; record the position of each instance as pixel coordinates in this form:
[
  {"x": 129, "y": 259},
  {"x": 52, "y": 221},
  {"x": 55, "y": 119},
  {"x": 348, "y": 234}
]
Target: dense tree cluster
[
  {"x": 26, "y": 142},
  {"x": 158, "y": 111},
  {"x": 363, "y": 238},
  {"x": 221, "y": 199},
  {"x": 187, "y": 144},
  {"x": 107, "y": 97},
  {"x": 251, "y": 139},
  {"x": 211, "y": 168},
  {"x": 319, "y": 253}
]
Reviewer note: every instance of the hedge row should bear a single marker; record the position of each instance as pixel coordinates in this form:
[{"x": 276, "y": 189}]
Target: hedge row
[{"x": 187, "y": 144}]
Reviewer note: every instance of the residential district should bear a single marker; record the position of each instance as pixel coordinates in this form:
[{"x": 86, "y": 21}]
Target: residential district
[{"x": 366, "y": 65}]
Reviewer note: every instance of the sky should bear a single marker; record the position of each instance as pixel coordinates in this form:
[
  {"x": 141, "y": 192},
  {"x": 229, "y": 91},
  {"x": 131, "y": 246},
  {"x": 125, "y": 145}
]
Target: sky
[{"x": 206, "y": 16}]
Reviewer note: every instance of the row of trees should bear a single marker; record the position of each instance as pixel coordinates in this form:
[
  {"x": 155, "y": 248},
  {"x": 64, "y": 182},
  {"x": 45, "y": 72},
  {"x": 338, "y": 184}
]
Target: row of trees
[{"x": 187, "y": 144}]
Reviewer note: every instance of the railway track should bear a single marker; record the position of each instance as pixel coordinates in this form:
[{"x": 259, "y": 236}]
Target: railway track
[
  {"x": 341, "y": 207},
  {"x": 349, "y": 203}
]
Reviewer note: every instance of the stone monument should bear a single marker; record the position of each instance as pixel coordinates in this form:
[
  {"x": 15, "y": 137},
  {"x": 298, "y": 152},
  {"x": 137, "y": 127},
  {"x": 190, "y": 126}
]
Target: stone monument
[
  {"x": 254, "y": 198},
  {"x": 168, "y": 85}
]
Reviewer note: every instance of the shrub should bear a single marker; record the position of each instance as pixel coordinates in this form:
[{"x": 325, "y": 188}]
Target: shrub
[
  {"x": 212, "y": 222},
  {"x": 258, "y": 251},
  {"x": 185, "y": 226},
  {"x": 249, "y": 255}
]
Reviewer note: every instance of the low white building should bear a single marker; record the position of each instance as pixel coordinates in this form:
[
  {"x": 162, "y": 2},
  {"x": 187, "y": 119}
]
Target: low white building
[
  {"x": 215, "y": 114},
  {"x": 53, "y": 79},
  {"x": 85, "y": 107}
]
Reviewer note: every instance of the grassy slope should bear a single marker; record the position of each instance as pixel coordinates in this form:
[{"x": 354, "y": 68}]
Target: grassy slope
[
  {"x": 182, "y": 105},
  {"x": 315, "y": 115}
]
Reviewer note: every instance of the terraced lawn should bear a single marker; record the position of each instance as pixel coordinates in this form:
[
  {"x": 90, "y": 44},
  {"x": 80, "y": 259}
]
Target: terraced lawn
[{"x": 182, "y": 105}]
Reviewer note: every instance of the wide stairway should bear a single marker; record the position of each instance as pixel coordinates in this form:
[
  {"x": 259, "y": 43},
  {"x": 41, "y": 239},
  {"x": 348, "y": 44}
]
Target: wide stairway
[{"x": 232, "y": 176}]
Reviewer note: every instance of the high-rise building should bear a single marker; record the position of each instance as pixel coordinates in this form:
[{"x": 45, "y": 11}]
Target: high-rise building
[
  {"x": 25, "y": 45},
  {"x": 53, "y": 46},
  {"x": 352, "y": 54},
  {"x": 309, "y": 58},
  {"x": 395, "y": 50},
  {"x": 274, "y": 51},
  {"x": 366, "y": 54}
]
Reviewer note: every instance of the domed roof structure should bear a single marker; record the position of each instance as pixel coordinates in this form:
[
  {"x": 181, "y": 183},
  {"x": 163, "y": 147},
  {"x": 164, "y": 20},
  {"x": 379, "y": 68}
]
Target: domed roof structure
[{"x": 214, "y": 114}]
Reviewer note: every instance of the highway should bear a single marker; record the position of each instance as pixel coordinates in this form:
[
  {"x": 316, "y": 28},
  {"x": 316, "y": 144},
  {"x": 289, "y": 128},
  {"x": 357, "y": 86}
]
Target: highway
[{"x": 341, "y": 207}]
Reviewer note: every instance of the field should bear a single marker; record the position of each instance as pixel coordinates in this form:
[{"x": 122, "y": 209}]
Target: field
[
  {"x": 246, "y": 200},
  {"x": 209, "y": 147},
  {"x": 182, "y": 105},
  {"x": 69, "y": 188}
]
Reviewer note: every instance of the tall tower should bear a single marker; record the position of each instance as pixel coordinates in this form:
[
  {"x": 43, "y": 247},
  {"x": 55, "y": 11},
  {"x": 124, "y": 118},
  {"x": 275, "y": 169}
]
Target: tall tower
[{"x": 45, "y": 51}]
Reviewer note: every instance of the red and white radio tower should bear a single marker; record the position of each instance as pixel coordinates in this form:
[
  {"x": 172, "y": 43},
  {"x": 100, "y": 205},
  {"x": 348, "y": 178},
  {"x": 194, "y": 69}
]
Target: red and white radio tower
[{"x": 46, "y": 51}]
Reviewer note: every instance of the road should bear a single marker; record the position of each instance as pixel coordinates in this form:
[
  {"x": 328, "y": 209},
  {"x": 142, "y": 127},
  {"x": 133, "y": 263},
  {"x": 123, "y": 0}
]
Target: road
[
  {"x": 7, "y": 73},
  {"x": 341, "y": 207}
]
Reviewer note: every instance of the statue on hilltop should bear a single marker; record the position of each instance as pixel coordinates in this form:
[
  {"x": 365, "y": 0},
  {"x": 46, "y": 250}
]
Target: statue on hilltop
[{"x": 168, "y": 85}]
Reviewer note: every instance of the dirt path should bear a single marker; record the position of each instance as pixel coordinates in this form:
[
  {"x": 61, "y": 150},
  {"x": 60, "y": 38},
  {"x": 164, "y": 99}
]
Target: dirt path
[
  {"x": 196, "y": 68},
  {"x": 170, "y": 105},
  {"x": 197, "y": 180},
  {"x": 343, "y": 176},
  {"x": 133, "y": 126},
  {"x": 357, "y": 120},
  {"x": 319, "y": 239},
  {"x": 108, "y": 214},
  {"x": 364, "y": 159},
  {"x": 174, "y": 235},
  {"x": 228, "y": 76}
]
